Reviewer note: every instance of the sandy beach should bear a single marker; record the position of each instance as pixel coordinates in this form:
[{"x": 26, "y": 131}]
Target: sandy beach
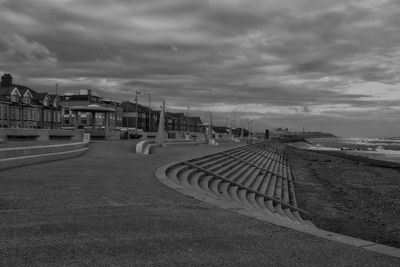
[{"x": 348, "y": 194}]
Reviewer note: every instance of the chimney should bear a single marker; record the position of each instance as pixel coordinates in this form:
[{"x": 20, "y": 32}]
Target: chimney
[{"x": 6, "y": 80}]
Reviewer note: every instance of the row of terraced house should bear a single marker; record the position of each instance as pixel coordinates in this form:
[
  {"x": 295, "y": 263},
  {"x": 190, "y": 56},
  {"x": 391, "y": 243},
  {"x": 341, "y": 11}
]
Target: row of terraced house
[{"x": 23, "y": 107}]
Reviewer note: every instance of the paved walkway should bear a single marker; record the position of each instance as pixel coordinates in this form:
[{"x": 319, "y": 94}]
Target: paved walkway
[{"x": 107, "y": 207}]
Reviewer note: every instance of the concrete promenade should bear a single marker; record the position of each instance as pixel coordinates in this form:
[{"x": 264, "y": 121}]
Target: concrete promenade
[{"x": 107, "y": 208}]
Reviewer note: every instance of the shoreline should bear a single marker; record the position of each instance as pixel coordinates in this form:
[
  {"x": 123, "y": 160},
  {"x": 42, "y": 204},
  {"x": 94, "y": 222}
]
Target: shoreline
[
  {"x": 362, "y": 158},
  {"x": 363, "y": 153}
]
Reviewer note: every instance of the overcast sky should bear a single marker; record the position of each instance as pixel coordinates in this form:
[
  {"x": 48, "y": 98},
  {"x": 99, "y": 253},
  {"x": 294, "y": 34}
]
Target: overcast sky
[{"x": 326, "y": 65}]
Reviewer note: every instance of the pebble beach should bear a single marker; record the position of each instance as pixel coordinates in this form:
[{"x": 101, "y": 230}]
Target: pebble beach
[{"x": 349, "y": 194}]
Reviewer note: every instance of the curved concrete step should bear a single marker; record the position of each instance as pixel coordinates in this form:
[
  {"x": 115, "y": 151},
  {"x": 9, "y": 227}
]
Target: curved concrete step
[
  {"x": 252, "y": 179},
  {"x": 40, "y": 158}
]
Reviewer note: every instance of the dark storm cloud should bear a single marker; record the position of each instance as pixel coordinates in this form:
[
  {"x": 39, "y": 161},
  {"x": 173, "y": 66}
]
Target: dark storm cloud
[{"x": 292, "y": 56}]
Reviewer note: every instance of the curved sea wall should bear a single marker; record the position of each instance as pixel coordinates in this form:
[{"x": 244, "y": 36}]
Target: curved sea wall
[
  {"x": 21, "y": 156},
  {"x": 40, "y": 134}
]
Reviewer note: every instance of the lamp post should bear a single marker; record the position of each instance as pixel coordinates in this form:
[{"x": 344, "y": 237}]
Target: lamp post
[
  {"x": 187, "y": 118},
  {"x": 248, "y": 132},
  {"x": 254, "y": 130},
  {"x": 137, "y": 114},
  {"x": 126, "y": 117},
  {"x": 56, "y": 112},
  {"x": 149, "y": 112}
]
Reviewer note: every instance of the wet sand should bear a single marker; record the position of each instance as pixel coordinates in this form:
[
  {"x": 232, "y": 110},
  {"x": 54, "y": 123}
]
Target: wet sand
[{"x": 349, "y": 194}]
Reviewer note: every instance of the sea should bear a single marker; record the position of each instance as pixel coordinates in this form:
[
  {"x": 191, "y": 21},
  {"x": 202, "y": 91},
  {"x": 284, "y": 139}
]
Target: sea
[{"x": 381, "y": 148}]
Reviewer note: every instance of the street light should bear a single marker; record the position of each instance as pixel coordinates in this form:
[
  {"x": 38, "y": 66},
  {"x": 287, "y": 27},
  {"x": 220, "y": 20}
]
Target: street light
[
  {"x": 137, "y": 114},
  {"x": 149, "y": 112},
  {"x": 248, "y": 130},
  {"x": 126, "y": 117},
  {"x": 187, "y": 118}
]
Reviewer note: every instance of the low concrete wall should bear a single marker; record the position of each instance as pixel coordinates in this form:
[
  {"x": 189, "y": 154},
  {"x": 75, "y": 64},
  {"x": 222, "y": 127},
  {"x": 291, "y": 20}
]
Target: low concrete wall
[
  {"x": 140, "y": 147},
  {"x": 173, "y": 135},
  {"x": 41, "y": 134},
  {"x": 180, "y": 143},
  {"x": 150, "y": 148},
  {"x": 20, "y": 156},
  {"x": 16, "y": 152},
  {"x": 34, "y": 159},
  {"x": 146, "y": 147}
]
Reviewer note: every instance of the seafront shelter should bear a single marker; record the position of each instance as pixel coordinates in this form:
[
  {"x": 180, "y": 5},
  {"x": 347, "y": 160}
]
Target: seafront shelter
[{"x": 99, "y": 126}]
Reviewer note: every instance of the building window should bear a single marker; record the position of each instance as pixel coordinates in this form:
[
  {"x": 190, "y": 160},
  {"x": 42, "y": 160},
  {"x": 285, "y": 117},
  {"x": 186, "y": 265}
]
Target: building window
[
  {"x": 14, "y": 98},
  {"x": 5, "y": 112},
  {"x": 26, "y": 99},
  {"x": 15, "y": 114}
]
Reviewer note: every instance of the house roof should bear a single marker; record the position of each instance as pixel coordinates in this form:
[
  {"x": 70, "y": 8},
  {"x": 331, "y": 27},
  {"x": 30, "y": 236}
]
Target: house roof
[
  {"x": 131, "y": 107},
  {"x": 91, "y": 98},
  {"x": 6, "y": 90},
  {"x": 42, "y": 95},
  {"x": 196, "y": 119},
  {"x": 92, "y": 108},
  {"x": 177, "y": 115},
  {"x": 53, "y": 97},
  {"x": 4, "y": 99},
  {"x": 220, "y": 129},
  {"x": 22, "y": 90},
  {"x": 237, "y": 131},
  {"x": 37, "y": 98},
  {"x": 112, "y": 102}
]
